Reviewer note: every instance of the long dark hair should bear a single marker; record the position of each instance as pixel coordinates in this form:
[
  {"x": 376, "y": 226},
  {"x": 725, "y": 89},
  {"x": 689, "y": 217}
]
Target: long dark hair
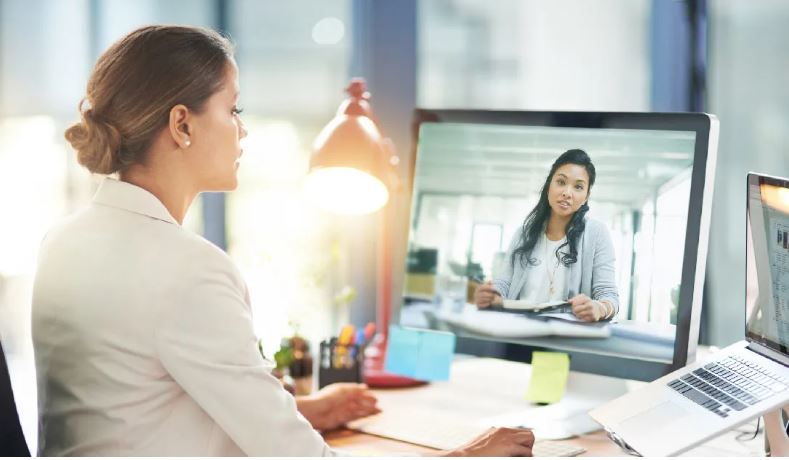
[{"x": 535, "y": 222}]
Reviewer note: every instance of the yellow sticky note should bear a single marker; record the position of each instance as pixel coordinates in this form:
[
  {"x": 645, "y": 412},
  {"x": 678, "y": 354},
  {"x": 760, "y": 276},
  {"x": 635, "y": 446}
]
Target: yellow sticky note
[{"x": 549, "y": 372}]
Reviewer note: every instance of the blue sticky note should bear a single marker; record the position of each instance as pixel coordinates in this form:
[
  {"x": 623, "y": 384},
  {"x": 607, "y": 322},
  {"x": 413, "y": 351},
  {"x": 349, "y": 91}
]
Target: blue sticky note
[
  {"x": 436, "y": 350},
  {"x": 419, "y": 353},
  {"x": 402, "y": 354}
]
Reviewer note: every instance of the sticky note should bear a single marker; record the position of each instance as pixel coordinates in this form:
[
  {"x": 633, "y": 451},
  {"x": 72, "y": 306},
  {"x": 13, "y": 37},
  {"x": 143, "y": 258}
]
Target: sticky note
[
  {"x": 402, "y": 351},
  {"x": 419, "y": 353},
  {"x": 436, "y": 350},
  {"x": 549, "y": 372}
]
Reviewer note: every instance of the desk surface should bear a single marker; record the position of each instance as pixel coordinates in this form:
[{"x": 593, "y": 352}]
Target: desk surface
[
  {"x": 354, "y": 442},
  {"x": 505, "y": 389},
  {"x": 653, "y": 342}
]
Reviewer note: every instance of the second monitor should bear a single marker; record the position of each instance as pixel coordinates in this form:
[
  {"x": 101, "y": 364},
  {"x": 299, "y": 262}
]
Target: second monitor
[{"x": 487, "y": 187}]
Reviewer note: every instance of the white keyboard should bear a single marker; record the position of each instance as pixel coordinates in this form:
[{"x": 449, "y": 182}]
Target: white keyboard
[{"x": 441, "y": 433}]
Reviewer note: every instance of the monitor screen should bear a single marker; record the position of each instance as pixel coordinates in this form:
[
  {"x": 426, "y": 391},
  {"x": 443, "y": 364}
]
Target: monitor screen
[
  {"x": 576, "y": 232},
  {"x": 767, "y": 262}
]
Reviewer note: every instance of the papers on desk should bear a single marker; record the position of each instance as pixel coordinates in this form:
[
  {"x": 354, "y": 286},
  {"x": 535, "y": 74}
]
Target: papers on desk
[
  {"x": 524, "y": 305},
  {"x": 507, "y": 325},
  {"x": 569, "y": 317},
  {"x": 558, "y": 309}
]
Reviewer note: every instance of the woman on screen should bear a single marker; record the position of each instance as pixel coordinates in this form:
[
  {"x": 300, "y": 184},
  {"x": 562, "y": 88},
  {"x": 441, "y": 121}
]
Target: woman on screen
[
  {"x": 143, "y": 334},
  {"x": 560, "y": 254}
]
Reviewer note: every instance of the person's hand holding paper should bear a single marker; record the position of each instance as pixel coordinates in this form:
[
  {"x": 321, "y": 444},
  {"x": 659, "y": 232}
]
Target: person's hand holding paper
[{"x": 586, "y": 309}]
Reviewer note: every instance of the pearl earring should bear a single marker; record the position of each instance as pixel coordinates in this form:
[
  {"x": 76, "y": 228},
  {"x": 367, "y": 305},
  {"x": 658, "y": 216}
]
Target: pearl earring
[{"x": 187, "y": 142}]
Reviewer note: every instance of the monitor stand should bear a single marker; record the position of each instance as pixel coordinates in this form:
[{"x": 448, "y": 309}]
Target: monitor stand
[{"x": 568, "y": 417}]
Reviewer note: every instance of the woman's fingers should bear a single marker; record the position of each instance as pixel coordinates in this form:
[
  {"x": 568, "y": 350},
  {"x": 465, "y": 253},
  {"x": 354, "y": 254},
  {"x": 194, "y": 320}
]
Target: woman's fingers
[
  {"x": 485, "y": 295},
  {"x": 523, "y": 436},
  {"x": 589, "y": 310},
  {"x": 584, "y": 311},
  {"x": 483, "y": 298},
  {"x": 579, "y": 299},
  {"x": 498, "y": 442}
]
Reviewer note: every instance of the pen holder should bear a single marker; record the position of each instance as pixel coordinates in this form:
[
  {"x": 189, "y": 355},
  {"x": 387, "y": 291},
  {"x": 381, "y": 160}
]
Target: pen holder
[{"x": 339, "y": 363}]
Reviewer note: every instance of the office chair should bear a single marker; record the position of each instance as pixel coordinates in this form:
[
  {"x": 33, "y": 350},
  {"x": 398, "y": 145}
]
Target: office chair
[{"x": 12, "y": 439}]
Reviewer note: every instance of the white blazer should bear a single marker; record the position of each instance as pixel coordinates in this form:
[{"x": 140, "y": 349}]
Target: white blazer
[{"x": 144, "y": 342}]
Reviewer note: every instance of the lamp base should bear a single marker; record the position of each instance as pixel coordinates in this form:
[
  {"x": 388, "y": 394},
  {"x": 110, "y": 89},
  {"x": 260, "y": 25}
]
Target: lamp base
[{"x": 374, "y": 374}]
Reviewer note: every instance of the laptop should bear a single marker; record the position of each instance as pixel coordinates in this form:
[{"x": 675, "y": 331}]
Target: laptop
[{"x": 700, "y": 401}]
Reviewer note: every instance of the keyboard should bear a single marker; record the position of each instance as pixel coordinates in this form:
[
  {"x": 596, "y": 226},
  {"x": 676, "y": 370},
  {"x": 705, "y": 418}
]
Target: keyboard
[
  {"x": 440, "y": 432},
  {"x": 729, "y": 384}
]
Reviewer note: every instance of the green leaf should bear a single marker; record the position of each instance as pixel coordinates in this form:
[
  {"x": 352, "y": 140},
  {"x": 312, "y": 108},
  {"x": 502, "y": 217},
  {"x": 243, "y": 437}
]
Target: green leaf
[{"x": 283, "y": 357}]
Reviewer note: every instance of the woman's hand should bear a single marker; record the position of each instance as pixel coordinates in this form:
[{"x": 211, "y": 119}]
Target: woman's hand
[
  {"x": 497, "y": 442},
  {"x": 337, "y": 404},
  {"x": 486, "y": 295},
  {"x": 587, "y": 309}
]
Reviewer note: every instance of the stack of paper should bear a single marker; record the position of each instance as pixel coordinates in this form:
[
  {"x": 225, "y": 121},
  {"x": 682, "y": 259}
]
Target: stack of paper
[
  {"x": 524, "y": 305},
  {"x": 507, "y": 325}
]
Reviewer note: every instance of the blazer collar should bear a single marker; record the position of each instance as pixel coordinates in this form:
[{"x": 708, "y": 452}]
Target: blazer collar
[{"x": 123, "y": 195}]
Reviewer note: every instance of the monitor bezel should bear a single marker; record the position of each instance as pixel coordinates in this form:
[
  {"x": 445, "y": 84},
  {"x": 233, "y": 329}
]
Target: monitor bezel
[
  {"x": 759, "y": 179},
  {"x": 705, "y": 127}
]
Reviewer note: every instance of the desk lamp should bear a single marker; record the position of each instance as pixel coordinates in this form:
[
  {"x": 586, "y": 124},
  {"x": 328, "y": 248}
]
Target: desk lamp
[{"x": 352, "y": 171}]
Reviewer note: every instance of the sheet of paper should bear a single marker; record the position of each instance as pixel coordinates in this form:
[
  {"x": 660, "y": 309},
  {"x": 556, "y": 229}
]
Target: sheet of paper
[
  {"x": 419, "y": 353},
  {"x": 549, "y": 373},
  {"x": 524, "y": 305},
  {"x": 564, "y": 317}
]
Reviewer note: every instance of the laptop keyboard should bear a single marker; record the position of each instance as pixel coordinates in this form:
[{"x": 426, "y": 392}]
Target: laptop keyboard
[{"x": 732, "y": 383}]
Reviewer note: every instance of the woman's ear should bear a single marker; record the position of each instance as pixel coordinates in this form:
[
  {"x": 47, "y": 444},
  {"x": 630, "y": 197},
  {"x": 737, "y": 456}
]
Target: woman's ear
[{"x": 179, "y": 126}]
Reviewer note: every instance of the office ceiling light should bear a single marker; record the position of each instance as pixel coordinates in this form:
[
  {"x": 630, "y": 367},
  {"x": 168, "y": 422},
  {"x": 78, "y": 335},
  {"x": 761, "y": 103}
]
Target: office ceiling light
[
  {"x": 328, "y": 31},
  {"x": 349, "y": 171}
]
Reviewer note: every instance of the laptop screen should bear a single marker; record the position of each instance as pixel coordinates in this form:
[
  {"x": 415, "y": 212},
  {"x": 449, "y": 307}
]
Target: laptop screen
[{"x": 767, "y": 262}]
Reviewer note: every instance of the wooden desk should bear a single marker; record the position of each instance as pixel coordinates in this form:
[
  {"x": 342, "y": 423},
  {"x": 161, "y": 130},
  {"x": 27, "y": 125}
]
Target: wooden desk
[
  {"x": 596, "y": 445},
  {"x": 498, "y": 388}
]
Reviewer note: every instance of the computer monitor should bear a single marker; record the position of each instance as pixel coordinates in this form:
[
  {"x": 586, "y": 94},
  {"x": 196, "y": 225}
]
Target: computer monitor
[
  {"x": 767, "y": 266},
  {"x": 478, "y": 175}
]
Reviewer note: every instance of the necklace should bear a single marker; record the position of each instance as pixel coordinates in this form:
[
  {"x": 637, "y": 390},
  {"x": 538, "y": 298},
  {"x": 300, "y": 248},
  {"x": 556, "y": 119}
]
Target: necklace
[{"x": 551, "y": 273}]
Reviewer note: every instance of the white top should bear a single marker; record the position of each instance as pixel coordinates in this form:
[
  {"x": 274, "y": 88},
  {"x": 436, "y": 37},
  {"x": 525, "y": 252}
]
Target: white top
[
  {"x": 144, "y": 342},
  {"x": 537, "y": 288}
]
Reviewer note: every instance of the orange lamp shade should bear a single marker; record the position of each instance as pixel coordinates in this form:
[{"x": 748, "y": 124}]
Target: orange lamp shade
[{"x": 348, "y": 168}]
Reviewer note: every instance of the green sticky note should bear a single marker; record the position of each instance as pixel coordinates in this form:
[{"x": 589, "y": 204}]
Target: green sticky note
[{"x": 549, "y": 372}]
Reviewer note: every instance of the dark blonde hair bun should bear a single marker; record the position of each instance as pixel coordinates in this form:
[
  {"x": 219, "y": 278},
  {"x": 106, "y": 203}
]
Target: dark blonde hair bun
[
  {"x": 97, "y": 143},
  {"x": 136, "y": 83}
]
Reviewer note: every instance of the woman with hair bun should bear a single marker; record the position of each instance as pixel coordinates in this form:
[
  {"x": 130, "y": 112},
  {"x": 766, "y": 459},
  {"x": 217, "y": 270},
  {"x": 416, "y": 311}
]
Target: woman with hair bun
[
  {"x": 560, "y": 253},
  {"x": 142, "y": 331}
]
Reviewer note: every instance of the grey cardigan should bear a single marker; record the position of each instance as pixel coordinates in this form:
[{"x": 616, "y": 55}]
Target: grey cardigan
[{"x": 593, "y": 274}]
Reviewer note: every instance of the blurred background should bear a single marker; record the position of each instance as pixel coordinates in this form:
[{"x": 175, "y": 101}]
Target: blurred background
[{"x": 314, "y": 271}]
